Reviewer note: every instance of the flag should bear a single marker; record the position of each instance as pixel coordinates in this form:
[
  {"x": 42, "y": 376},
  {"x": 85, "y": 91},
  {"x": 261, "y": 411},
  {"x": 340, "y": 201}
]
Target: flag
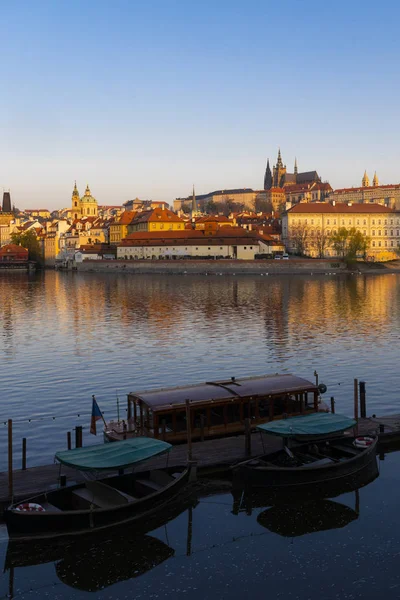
[{"x": 96, "y": 415}]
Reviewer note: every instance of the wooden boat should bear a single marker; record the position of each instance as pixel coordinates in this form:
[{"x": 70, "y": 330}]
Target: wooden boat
[
  {"x": 107, "y": 502},
  {"x": 328, "y": 455},
  {"x": 214, "y": 408}
]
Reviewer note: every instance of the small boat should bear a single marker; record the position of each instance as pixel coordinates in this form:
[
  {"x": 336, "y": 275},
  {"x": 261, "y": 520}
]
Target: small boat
[
  {"x": 102, "y": 503},
  {"x": 328, "y": 454},
  {"x": 214, "y": 408}
]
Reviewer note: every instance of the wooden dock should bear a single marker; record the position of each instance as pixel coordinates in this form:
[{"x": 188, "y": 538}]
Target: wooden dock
[{"x": 211, "y": 455}]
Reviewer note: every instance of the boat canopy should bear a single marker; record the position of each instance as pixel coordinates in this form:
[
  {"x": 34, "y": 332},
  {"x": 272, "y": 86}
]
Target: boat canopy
[
  {"x": 113, "y": 455},
  {"x": 316, "y": 424},
  {"x": 220, "y": 391}
]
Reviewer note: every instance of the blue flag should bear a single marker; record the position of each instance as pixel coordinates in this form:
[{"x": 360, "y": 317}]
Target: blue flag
[{"x": 96, "y": 415}]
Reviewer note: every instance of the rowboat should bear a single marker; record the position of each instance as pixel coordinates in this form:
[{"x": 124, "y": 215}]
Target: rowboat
[
  {"x": 105, "y": 502},
  {"x": 215, "y": 408},
  {"x": 320, "y": 453}
]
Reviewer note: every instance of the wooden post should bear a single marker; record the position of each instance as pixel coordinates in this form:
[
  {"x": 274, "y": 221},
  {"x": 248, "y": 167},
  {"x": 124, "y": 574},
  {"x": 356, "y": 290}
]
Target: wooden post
[
  {"x": 69, "y": 444},
  {"x": 129, "y": 410},
  {"x": 316, "y": 378},
  {"x": 78, "y": 436},
  {"x": 188, "y": 430},
  {"x": 356, "y": 399},
  {"x": 381, "y": 428},
  {"x": 124, "y": 428},
  {"x": 10, "y": 461},
  {"x": 202, "y": 420},
  {"x": 190, "y": 532},
  {"x": 363, "y": 403},
  {"x": 332, "y": 405},
  {"x": 164, "y": 426},
  {"x": 247, "y": 434},
  {"x": 24, "y": 454}
]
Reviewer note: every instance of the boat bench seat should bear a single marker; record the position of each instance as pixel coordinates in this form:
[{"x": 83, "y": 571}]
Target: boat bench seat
[
  {"x": 348, "y": 449},
  {"x": 102, "y": 495},
  {"x": 50, "y": 507},
  {"x": 161, "y": 478},
  {"x": 146, "y": 485}
]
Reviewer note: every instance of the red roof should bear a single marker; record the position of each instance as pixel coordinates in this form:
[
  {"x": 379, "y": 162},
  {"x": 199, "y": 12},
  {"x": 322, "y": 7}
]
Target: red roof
[
  {"x": 338, "y": 207},
  {"x": 367, "y": 188}
]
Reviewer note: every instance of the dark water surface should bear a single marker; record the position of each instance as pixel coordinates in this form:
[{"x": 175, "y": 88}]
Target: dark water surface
[
  {"x": 66, "y": 336},
  {"x": 344, "y": 548}
]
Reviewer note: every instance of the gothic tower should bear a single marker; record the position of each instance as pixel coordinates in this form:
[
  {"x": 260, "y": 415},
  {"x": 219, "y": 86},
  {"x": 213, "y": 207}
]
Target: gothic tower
[
  {"x": 268, "y": 177},
  {"x": 6, "y": 202},
  {"x": 375, "y": 181},
  {"x": 295, "y": 167},
  {"x": 194, "y": 205},
  {"x": 279, "y": 171},
  {"x": 365, "y": 180}
]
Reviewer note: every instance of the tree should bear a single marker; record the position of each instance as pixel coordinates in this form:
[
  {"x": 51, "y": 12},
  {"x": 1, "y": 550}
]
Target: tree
[
  {"x": 28, "y": 240},
  {"x": 211, "y": 208},
  {"x": 299, "y": 236},
  {"x": 264, "y": 206},
  {"x": 321, "y": 242},
  {"x": 349, "y": 243}
]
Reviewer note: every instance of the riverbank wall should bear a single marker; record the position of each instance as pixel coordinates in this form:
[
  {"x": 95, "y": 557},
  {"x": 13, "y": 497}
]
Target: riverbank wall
[
  {"x": 293, "y": 266},
  {"x": 213, "y": 267}
]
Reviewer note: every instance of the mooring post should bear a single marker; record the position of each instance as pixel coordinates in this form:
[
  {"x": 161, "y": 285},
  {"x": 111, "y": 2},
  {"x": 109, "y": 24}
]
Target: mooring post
[
  {"x": 78, "y": 436},
  {"x": 356, "y": 399},
  {"x": 202, "y": 420},
  {"x": 164, "y": 427},
  {"x": 363, "y": 403},
  {"x": 247, "y": 434},
  {"x": 69, "y": 444},
  {"x": 24, "y": 454},
  {"x": 189, "y": 430},
  {"x": 10, "y": 461},
  {"x": 124, "y": 427},
  {"x": 332, "y": 405},
  {"x": 381, "y": 428}
]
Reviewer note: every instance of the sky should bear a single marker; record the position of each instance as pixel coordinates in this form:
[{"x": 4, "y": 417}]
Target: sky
[{"x": 146, "y": 98}]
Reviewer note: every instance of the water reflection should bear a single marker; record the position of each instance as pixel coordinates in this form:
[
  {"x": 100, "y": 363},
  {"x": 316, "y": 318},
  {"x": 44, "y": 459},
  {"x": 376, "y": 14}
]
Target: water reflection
[{"x": 65, "y": 336}]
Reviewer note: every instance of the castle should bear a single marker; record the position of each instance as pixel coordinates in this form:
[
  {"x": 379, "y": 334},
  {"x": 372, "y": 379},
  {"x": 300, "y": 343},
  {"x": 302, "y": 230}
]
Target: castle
[{"x": 280, "y": 178}]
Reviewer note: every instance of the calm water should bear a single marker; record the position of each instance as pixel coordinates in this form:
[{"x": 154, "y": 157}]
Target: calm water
[
  {"x": 345, "y": 548},
  {"x": 66, "y": 336}
]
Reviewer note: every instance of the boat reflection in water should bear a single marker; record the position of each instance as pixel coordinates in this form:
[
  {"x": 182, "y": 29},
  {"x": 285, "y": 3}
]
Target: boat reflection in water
[{"x": 94, "y": 562}]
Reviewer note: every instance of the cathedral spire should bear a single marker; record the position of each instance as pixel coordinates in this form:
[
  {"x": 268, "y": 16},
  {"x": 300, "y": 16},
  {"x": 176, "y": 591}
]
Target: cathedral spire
[
  {"x": 375, "y": 181},
  {"x": 75, "y": 192},
  {"x": 279, "y": 161},
  {"x": 268, "y": 177},
  {"x": 365, "y": 180},
  {"x": 295, "y": 166}
]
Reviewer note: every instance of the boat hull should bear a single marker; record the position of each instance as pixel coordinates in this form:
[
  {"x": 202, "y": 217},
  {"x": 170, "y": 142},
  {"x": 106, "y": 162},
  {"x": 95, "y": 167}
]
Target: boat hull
[
  {"x": 302, "y": 479},
  {"x": 58, "y": 523}
]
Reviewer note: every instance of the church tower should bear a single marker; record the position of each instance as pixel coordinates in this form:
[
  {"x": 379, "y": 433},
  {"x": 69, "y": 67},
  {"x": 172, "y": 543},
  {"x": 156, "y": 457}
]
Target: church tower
[
  {"x": 194, "y": 212},
  {"x": 365, "y": 180},
  {"x": 375, "y": 181},
  {"x": 75, "y": 204},
  {"x": 295, "y": 167},
  {"x": 279, "y": 171},
  {"x": 268, "y": 177}
]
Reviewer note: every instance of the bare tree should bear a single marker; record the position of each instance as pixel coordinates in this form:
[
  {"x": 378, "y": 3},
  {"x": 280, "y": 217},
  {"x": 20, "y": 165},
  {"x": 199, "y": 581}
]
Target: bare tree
[
  {"x": 299, "y": 236},
  {"x": 321, "y": 242}
]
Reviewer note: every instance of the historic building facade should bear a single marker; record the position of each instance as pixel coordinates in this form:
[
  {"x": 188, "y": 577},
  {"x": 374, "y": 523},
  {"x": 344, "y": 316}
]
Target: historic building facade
[
  {"x": 379, "y": 223},
  {"x": 83, "y": 207}
]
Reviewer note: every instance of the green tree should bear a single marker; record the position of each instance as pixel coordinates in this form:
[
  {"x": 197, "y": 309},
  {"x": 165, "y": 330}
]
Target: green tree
[
  {"x": 28, "y": 240},
  {"x": 211, "y": 208},
  {"x": 350, "y": 243},
  {"x": 299, "y": 237}
]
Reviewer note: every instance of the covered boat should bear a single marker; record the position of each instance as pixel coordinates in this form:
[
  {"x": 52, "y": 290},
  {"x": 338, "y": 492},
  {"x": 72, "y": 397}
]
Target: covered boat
[
  {"x": 326, "y": 455},
  {"x": 214, "y": 408},
  {"x": 101, "y": 503}
]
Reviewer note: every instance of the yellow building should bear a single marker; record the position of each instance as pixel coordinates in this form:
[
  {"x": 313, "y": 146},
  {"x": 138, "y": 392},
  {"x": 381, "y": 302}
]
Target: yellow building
[
  {"x": 37, "y": 212},
  {"x": 119, "y": 229},
  {"x": 157, "y": 219},
  {"x": 316, "y": 222}
]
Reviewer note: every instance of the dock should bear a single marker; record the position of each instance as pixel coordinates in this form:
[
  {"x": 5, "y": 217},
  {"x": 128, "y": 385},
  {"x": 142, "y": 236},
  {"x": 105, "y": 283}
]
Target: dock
[{"x": 211, "y": 456}]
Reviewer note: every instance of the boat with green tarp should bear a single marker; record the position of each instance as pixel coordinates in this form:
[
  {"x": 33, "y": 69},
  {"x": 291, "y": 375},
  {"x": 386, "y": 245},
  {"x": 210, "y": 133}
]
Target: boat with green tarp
[
  {"x": 317, "y": 449},
  {"x": 102, "y": 502}
]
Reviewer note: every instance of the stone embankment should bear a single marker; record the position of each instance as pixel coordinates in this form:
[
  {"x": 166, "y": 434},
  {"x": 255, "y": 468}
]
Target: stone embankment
[
  {"x": 293, "y": 266},
  {"x": 214, "y": 267}
]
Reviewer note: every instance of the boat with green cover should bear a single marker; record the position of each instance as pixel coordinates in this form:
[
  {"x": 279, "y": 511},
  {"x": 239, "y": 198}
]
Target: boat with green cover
[
  {"x": 315, "y": 452},
  {"x": 100, "y": 503}
]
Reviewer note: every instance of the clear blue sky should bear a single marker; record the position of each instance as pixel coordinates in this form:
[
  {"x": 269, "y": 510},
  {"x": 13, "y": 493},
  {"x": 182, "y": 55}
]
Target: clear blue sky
[{"x": 144, "y": 98}]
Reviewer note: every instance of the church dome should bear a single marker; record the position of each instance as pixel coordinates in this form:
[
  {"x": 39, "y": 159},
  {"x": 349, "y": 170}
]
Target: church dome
[{"x": 88, "y": 196}]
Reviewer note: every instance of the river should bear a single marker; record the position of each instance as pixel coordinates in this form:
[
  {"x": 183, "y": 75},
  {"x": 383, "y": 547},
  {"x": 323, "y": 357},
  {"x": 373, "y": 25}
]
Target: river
[{"x": 66, "y": 336}]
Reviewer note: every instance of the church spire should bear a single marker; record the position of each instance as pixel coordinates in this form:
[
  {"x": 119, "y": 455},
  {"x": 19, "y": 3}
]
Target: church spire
[
  {"x": 194, "y": 204},
  {"x": 295, "y": 166},
  {"x": 279, "y": 161},
  {"x": 75, "y": 192},
  {"x": 268, "y": 177},
  {"x": 365, "y": 180},
  {"x": 375, "y": 181}
]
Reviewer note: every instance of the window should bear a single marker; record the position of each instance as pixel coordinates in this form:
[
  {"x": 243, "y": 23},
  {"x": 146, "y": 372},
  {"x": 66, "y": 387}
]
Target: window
[
  {"x": 379, "y": 232},
  {"x": 327, "y": 222},
  {"x": 342, "y": 221},
  {"x": 385, "y": 221},
  {"x": 365, "y": 221},
  {"x": 373, "y": 221},
  {"x": 365, "y": 232},
  {"x": 358, "y": 221},
  {"x": 334, "y": 221},
  {"x": 397, "y": 231},
  {"x": 245, "y": 248},
  {"x": 391, "y": 232},
  {"x": 379, "y": 222},
  {"x": 391, "y": 243},
  {"x": 373, "y": 243},
  {"x": 312, "y": 221},
  {"x": 385, "y": 242},
  {"x": 349, "y": 221},
  {"x": 373, "y": 232},
  {"x": 379, "y": 243},
  {"x": 385, "y": 231},
  {"x": 391, "y": 221}
]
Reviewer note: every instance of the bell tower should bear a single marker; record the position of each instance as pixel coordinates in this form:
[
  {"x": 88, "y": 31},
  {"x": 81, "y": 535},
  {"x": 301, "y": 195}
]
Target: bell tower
[{"x": 75, "y": 204}]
